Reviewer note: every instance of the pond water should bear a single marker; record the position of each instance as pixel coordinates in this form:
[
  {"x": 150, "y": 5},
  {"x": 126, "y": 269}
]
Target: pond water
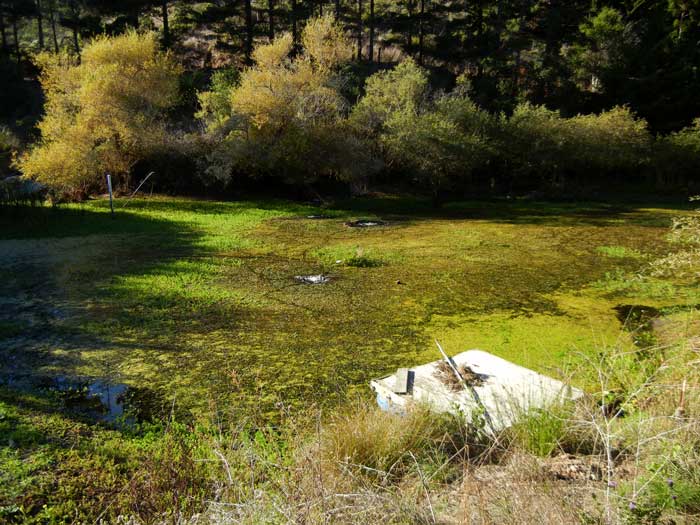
[{"x": 194, "y": 304}]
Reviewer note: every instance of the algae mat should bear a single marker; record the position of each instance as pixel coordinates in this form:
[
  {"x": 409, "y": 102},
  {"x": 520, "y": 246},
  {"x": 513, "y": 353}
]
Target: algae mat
[{"x": 197, "y": 301}]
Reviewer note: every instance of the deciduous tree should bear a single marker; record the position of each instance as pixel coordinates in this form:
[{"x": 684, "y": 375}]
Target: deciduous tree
[{"x": 103, "y": 114}]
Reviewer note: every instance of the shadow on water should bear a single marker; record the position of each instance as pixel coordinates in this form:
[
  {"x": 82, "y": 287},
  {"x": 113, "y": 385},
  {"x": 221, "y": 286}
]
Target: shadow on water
[
  {"x": 510, "y": 212},
  {"x": 639, "y": 321},
  {"x": 52, "y": 263}
]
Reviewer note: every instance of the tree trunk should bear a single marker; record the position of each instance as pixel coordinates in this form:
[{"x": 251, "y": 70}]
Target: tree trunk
[
  {"x": 294, "y": 22},
  {"x": 359, "y": 29},
  {"x": 15, "y": 33},
  {"x": 271, "y": 18},
  {"x": 76, "y": 43},
  {"x": 166, "y": 23},
  {"x": 248, "y": 32},
  {"x": 52, "y": 19},
  {"x": 421, "y": 32},
  {"x": 76, "y": 26},
  {"x": 320, "y": 8},
  {"x": 409, "y": 26},
  {"x": 3, "y": 31},
  {"x": 40, "y": 24},
  {"x": 371, "y": 30},
  {"x": 479, "y": 39},
  {"x": 337, "y": 10}
]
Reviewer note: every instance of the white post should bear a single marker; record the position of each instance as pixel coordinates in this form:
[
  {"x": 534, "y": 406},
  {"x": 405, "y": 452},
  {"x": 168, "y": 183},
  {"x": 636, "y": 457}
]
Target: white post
[{"x": 109, "y": 188}]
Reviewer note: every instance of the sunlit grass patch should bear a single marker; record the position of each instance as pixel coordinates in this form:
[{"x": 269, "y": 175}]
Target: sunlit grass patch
[
  {"x": 354, "y": 256},
  {"x": 550, "y": 344},
  {"x": 620, "y": 282},
  {"x": 619, "y": 252}
]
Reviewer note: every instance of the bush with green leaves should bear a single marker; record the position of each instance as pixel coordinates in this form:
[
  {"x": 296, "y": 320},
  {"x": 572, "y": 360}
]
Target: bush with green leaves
[
  {"x": 438, "y": 140},
  {"x": 684, "y": 262},
  {"x": 543, "y": 146},
  {"x": 610, "y": 142},
  {"x": 678, "y": 156}
]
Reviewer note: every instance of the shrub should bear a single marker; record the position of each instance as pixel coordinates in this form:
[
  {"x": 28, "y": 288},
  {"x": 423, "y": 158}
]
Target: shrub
[
  {"x": 403, "y": 89},
  {"x": 103, "y": 114},
  {"x": 437, "y": 141},
  {"x": 215, "y": 104},
  {"x": 685, "y": 233},
  {"x": 542, "y": 145},
  {"x": 286, "y": 117},
  {"x": 535, "y": 137},
  {"x": 610, "y": 142},
  {"x": 678, "y": 155}
]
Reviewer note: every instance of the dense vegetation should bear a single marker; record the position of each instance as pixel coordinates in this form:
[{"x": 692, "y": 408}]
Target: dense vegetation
[
  {"x": 165, "y": 364},
  {"x": 246, "y": 392},
  {"x": 491, "y": 98}
]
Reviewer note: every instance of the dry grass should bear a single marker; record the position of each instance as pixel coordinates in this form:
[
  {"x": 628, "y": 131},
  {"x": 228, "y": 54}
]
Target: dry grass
[{"x": 568, "y": 465}]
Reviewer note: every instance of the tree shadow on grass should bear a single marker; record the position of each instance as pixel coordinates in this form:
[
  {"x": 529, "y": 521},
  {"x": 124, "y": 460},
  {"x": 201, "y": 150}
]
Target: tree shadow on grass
[{"x": 54, "y": 262}]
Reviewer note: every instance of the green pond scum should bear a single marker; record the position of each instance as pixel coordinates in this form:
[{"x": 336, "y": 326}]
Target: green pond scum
[{"x": 197, "y": 299}]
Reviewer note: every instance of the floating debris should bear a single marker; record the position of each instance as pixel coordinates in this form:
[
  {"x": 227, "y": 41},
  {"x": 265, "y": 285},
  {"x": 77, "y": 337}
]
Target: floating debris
[
  {"x": 318, "y": 217},
  {"x": 312, "y": 279},
  {"x": 365, "y": 223},
  {"x": 446, "y": 375},
  {"x": 496, "y": 388}
]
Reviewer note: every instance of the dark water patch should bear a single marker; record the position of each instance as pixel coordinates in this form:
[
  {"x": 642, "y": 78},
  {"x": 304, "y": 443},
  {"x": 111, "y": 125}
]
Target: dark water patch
[
  {"x": 105, "y": 401},
  {"x": 612, "y": 405},
  {"x": 10, "y": 329},
  {"x": 639, "y": 321}
]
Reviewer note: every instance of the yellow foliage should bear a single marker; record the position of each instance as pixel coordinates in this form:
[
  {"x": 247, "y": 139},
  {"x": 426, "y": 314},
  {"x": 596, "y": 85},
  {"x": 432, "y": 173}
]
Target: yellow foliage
[
  {"x": 325, "y": 43},
  {"x": 286, "y": 115},
  {"x": 275, "y": 54},
  {"x": 104, "y": 113},
  {"x": 278, "y": 89}
]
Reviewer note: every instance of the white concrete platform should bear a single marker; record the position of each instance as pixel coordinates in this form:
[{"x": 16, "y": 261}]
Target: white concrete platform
[{"x": 507, "y": 390}]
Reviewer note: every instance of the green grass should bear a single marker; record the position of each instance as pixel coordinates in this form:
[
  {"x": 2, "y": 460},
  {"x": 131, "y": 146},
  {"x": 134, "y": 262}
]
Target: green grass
[
  {"x": 354, "y": 256},
  {"x": 620, "y": 252}
]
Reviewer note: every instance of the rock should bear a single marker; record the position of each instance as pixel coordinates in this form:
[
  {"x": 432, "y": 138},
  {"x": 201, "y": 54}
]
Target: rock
[
  {"x": 364, "y": 223},
  {"x": 573, "y": 468},
  {"x": 313, "y": 279}
]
